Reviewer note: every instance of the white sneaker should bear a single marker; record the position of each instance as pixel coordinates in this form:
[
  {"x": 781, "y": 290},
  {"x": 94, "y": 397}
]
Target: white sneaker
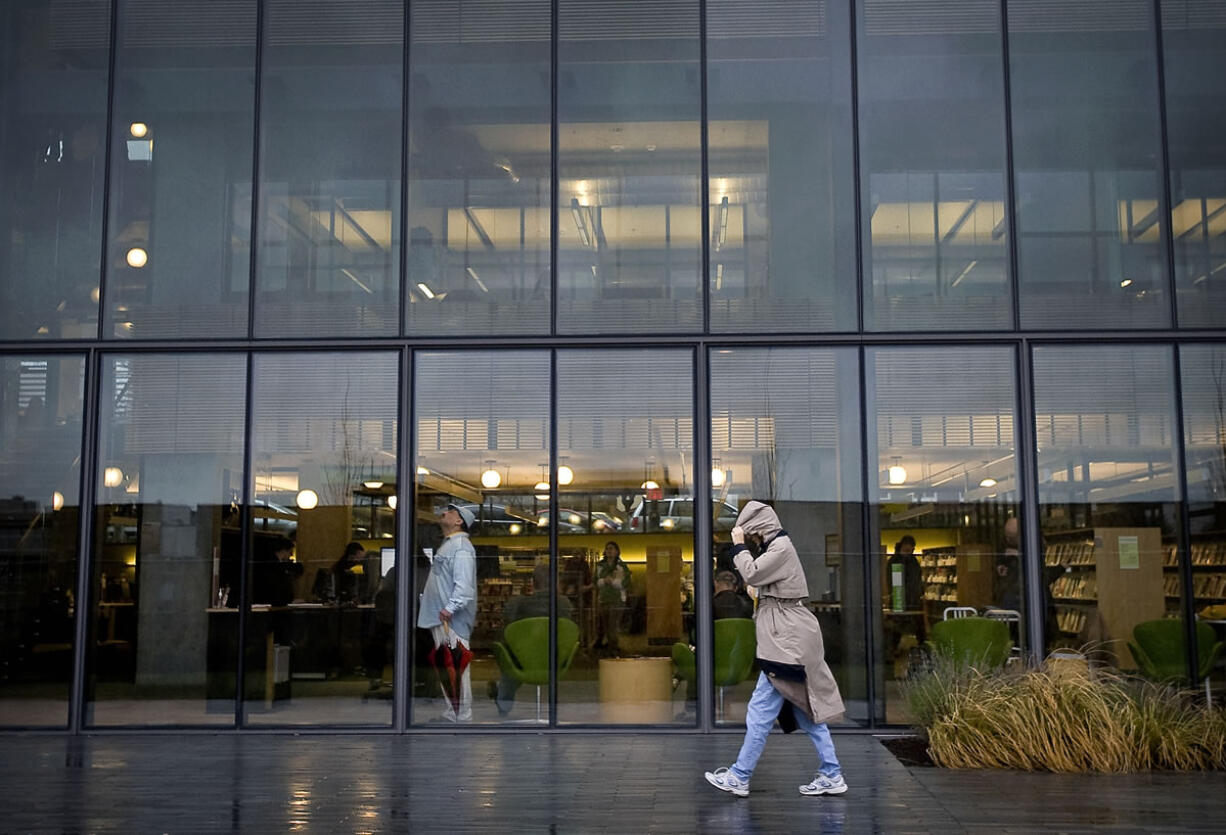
[
  {"x": 824, "y": 785},
  {"x": 724, "y": 780}
]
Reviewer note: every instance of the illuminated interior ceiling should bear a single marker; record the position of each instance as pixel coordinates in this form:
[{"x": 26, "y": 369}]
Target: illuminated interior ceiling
[
  {"x": 964, "y": 222},
  {"x": 614, "y": 150}
]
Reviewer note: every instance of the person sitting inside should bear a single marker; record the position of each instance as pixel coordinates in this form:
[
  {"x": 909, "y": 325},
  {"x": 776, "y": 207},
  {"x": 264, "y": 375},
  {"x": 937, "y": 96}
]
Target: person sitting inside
[
  {"x": 273, "y": 573},
  {"x": 730, "y": 601},
  {"x": 347, "y": 582},
  {"x": 535, "y": 605}
]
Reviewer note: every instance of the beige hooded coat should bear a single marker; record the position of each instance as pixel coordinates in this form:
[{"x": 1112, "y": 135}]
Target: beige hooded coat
[{"x": 787, "y": 632}]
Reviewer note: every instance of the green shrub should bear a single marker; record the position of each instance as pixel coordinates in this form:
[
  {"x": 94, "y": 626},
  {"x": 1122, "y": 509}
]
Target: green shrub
[{"x": 1054, "y": 719}]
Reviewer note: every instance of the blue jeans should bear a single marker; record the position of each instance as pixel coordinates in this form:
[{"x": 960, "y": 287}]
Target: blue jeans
[{"x": 760, "y": 715}]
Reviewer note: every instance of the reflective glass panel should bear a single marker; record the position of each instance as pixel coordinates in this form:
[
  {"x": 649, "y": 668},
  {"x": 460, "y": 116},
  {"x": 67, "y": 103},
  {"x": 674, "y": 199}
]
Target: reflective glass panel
[
  {"x": 945, "y": 497},
  {"x": 626, "y": 532},
  {"x": 52, "y": 166},
  {"x": 180, "y": 201},
  {"x": 932, "y": 150},
  {"x": 629, "y": 163},
  {"x": 40, "y": 451},
  {"x": 482, "y": 450},
  {"x": 321, "y": 582},
  {"x": 1085, "y": 148},
  {"x": 1194, "y": 54},
  {"x": 479, "y": 140},
  {"x": 1203, "y": 370},
  {"x": 330, "y": 163},
  {"x": 785, "y": 429},
  {"x": 1108, "y": 497},
  {"x": 164, "y": 583},
  {"x": 779, "y": 138}
]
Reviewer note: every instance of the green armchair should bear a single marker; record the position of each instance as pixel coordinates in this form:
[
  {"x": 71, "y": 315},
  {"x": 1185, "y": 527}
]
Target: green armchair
[
  {"x": 523, "y": 653},
  {"x": 972, "y": 642},
  {"x": 736, "y": 646},
  {"x": 1159, "y": 649}
]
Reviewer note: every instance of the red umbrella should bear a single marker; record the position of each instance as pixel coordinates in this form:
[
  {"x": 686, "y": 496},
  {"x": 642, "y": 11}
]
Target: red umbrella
[{"x": 449, "y": 659}]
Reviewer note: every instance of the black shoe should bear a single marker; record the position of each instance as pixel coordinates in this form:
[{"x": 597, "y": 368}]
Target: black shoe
[{"x": 491, "y": 689}]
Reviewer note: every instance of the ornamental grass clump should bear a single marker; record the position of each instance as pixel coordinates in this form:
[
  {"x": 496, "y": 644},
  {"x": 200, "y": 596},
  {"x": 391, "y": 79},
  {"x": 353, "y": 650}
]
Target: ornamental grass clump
[{"x": 1051, "y": 719}]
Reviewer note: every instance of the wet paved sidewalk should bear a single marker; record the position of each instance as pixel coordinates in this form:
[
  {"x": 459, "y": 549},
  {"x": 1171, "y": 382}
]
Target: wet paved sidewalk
[{"x": 561, "y": 783}]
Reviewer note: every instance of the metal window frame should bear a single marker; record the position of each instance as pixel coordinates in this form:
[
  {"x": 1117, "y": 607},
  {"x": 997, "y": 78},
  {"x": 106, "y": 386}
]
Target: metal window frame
[{"x": 95, "y": 351}]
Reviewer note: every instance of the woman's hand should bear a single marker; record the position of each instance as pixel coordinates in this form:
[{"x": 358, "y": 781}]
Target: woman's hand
[{"x": 738, "y": 535}]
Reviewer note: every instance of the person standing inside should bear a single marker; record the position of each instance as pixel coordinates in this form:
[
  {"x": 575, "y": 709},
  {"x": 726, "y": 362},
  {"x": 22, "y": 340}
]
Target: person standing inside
[
  {"x": 905, "y": 593},
  {"x": 612, "y": 586},
  {"x": 449, "y": 599},
  {"x": 795, "y": 685}
]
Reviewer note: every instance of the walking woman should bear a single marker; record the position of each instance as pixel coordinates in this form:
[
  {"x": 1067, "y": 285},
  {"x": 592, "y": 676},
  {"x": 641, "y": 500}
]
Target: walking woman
[{"x": 794, "y": 685}]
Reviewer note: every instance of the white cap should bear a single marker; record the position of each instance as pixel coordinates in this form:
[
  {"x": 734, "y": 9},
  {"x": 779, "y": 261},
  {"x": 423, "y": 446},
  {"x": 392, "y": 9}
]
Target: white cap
[{"x": 465, "y": 514}]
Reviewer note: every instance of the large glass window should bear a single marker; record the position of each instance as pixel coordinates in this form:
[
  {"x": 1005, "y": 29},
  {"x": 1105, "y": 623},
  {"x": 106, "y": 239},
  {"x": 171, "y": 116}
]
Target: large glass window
[
  {"x": 942, "y": 444},
  {"x": 629, "y": 163},
  {"x": 479, "y": 163},
  {"x": 1108, "y": 493},
  {"x": 626, "y": 532},
  {"x": 164, "y": 583},
  {"x": 321, "y": 581},
  {"x": 40, "y": 453},
  {"x": 1085, "y": 147},
  {"x": 482, "y": 448},
  {"x": 932, "y": 153},
  {"x": 52, "y": 166},
  {"x": 1194, "y": 54},
  {"x": 179, "y": 254},
  {"x": 785, "y": 429},
  {"x": 330, "y": 148},
  {"x": 779, "y": 149},
  {"x": 1203, "y": 369}
]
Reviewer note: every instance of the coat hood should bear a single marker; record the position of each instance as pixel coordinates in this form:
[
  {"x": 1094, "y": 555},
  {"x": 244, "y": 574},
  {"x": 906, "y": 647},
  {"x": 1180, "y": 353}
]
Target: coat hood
[{"x": 759, "y": 519}]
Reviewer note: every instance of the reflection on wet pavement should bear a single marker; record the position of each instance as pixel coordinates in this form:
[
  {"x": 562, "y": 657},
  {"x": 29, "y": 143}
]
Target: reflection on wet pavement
[{"x": 562, "y": 783}]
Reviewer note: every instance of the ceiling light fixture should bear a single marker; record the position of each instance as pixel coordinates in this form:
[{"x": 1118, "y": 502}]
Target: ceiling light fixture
[
  {"x": 721, "y": 234},
  {"x": 425, "y": 291},
  {"x": 112, "y": 477},
  {"x": 473, "y": 275},
  {"x": 307, "y": 499},
  {"x": 578, "y": 213},
  {"x": 896, "y": 474},
  {"x": 988, "y": 482},
  {"x": 565, "y": 475},
  {"x": 392, "y": 501},
  {"x": 138, "y": 129},
  {"x": 137, "y": 257},
  {"x": 372, "y": 484},
  {"x": 491, "y": 478}
]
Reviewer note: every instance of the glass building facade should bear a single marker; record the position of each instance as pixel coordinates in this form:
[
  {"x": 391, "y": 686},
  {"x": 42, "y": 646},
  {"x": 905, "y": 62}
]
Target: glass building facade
[{"x": 281, "y": 281}]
